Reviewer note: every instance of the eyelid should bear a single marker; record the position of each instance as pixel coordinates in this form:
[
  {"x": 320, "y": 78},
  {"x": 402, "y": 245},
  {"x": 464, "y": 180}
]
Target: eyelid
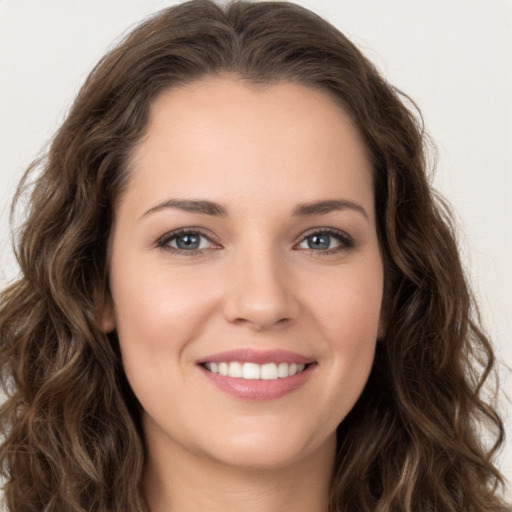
[
  {"x": 347, "y": 242},
  {"x": 163, "y": 241}
]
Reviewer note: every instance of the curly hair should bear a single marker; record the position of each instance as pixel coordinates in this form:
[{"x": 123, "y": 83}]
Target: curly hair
[{"x": 71, "y": 425}]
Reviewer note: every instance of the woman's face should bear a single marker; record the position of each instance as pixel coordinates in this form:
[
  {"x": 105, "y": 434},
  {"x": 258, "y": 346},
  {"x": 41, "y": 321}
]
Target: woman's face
[{"x": 244, "y": 250}]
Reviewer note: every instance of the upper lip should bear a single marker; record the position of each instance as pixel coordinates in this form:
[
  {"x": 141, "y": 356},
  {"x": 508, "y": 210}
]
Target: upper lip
[{"x": 248, "y": 355}]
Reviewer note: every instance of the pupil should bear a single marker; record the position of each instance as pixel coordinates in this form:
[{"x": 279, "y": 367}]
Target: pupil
[
  {"x": 188, "y": 242},
  {"x": 319, "y": 241}
]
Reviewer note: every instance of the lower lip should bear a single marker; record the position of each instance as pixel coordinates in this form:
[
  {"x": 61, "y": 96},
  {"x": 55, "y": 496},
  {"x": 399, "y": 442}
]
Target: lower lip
[{"x": 259, "y": 389}]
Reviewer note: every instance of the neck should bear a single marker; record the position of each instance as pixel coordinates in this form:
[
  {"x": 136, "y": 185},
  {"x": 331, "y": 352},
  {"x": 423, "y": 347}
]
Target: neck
[{"x": 192, "y": 483}]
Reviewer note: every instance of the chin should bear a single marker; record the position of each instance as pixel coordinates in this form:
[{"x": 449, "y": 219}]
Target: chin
[{"x": 269, "y": 448}]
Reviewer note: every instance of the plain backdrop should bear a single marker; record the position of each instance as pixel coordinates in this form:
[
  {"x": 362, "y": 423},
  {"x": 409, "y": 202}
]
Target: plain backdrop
[{"x": 454, "y": 58}]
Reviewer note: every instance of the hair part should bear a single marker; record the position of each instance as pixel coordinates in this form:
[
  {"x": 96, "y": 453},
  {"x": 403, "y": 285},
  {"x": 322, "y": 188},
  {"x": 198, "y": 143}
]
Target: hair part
[{"x": 71, "y": 424}]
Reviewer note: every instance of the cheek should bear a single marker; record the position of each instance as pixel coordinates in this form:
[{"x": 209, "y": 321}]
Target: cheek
[
  {"x": 347, "y": 318},
  {"x": 347, "y": 304},
  {"x": 157, "y": 313},
  {"x": 156, "y": 319}
]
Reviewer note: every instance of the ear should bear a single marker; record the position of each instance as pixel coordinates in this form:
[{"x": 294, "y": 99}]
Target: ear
[{"x": 105, "y": 312}]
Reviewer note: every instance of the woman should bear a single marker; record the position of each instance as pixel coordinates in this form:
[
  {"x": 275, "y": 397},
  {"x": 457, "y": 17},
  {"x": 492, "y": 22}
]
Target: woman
[{"x": 238, "y": 290}]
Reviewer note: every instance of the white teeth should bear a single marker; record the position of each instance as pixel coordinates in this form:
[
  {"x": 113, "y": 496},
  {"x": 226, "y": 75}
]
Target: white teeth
[
  {"x": 251, "y": 371},
  {"x": 269, "y": 371},
  {"x": 235, "y": 370},
  {"x": 254, "y": 371},
  {"x": 282, "y": 370}
]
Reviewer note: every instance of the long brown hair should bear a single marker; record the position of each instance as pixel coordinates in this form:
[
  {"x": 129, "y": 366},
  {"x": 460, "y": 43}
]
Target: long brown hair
[{"x": 71, "y": 425}]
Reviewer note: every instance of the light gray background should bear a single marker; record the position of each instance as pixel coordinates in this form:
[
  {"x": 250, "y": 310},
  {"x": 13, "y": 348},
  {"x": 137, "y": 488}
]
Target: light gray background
[{"x": 453, "y": 57}]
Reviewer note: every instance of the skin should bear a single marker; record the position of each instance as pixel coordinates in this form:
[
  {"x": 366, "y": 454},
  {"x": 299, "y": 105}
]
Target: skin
[{"x": 255, "y": 282}]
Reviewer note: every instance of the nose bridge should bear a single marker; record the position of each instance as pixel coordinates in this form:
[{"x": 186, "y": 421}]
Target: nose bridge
[{"x": 260, "y": 289}]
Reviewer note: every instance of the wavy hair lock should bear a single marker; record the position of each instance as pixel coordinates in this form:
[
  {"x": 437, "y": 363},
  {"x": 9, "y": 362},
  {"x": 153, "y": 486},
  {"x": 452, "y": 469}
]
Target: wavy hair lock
[{"x": 71, "y": 426}]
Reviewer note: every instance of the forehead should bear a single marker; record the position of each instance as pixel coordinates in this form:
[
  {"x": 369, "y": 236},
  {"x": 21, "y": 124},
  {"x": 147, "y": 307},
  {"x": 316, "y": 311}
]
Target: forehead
[{"x": 221, "y": 136}]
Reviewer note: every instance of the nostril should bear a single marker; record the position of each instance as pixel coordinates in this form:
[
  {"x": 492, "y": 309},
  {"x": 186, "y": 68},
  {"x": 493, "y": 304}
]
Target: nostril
[{"x": 261, "y": 292}]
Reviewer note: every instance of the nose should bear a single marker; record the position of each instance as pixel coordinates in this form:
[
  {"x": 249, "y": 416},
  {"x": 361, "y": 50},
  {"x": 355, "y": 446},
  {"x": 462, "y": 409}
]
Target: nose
[{"x": 260, "y": 291}]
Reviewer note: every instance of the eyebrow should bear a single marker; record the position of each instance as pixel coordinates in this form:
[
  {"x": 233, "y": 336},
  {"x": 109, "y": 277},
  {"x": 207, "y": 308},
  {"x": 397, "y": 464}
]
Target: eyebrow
[
  {"x": 328, "y": 206},
  {"x": 191, "y": 205},
  {"x": 302, "y": 210}
]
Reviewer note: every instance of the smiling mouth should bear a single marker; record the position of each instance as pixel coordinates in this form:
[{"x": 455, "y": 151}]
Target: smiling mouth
[{"x": 254, "y": 371}]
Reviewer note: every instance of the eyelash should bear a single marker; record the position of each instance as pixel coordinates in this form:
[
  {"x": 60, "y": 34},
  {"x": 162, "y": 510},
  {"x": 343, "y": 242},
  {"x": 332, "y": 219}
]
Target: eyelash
[
  {"x": 346, "y": 242},
  {"x": 164, "y": 241}
]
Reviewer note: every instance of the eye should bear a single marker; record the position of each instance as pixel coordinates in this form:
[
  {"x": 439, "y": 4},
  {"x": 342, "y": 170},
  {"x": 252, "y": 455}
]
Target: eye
[
  {"x": 327, "y": 241},
  {"x": 186, "y": 242}
]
